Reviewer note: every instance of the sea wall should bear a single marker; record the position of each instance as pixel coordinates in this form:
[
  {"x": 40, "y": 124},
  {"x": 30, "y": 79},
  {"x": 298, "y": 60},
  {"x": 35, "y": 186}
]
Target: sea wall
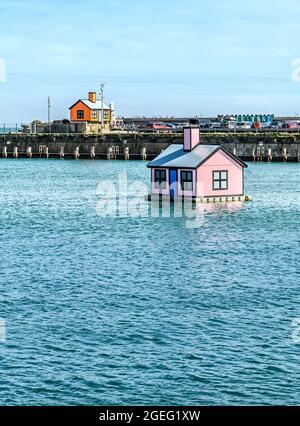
[{"x": 136, "y": 146}]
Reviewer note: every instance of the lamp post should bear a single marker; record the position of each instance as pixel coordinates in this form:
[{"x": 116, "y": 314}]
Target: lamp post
[
  {"x": 102, "y": 104},
  {"x": 49, "y": 109}
]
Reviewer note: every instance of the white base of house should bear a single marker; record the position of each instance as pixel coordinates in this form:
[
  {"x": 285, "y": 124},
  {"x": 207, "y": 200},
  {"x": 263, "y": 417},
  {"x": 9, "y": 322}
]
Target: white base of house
[
  {"x": 232, "y": 199},
  {"x": 203, "y": 200}
]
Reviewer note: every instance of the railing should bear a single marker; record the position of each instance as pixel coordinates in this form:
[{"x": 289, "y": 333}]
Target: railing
[
  {"x": 71, "y": 129},
  {"x": 38, "y": 128},
  {"x": 9, "y": 128}
]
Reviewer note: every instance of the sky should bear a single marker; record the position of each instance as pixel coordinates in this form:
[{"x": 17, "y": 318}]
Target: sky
[{"x": 167, "y": 57}]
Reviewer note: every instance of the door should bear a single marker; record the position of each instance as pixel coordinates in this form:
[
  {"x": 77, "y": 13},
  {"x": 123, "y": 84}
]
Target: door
[{"x": 173, "y": 183}]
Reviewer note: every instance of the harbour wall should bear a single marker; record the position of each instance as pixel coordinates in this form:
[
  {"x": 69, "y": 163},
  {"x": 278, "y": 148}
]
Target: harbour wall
[{"x": 137, "y": 146}]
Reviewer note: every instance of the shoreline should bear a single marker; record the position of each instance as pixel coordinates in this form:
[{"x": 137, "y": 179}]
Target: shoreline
[{"x": 268, "y": 147}]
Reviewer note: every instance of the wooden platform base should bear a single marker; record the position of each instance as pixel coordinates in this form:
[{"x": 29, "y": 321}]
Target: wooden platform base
[{"x": 202, "y": 200}]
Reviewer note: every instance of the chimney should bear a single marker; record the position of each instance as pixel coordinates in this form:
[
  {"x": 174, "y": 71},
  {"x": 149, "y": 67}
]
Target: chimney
[
  {"x": 191, "y": 138},
  {"x": 92, "y": 97}
]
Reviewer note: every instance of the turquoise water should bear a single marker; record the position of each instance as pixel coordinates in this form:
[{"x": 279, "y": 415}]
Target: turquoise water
[
  {"x": 128, "y": 310},
  {"x": 9, "y": 129}
]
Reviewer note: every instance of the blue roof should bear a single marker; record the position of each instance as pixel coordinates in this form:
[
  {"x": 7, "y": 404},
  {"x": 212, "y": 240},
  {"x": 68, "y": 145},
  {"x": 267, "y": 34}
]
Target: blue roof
[{"x": 175, "y": 156}]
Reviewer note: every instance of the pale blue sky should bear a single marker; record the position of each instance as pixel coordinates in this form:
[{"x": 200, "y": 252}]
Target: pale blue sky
[{"x": 165, "y": 57}]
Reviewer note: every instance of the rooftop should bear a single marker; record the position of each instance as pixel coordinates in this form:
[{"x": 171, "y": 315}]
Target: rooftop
[
  {"x": 175, "y": 156},
  {"x": 95, "y": 105},
  {"x": 92, "y": 105}
]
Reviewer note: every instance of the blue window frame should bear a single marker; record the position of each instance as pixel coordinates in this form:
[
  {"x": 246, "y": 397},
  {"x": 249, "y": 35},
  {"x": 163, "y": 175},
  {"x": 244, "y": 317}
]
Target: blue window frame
[
  {"x": 160, "y": 179},
  {"x": 186, "y": 180}
]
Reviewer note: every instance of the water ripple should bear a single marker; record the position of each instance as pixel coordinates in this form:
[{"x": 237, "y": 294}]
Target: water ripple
[{"x": 144, "y": 310}]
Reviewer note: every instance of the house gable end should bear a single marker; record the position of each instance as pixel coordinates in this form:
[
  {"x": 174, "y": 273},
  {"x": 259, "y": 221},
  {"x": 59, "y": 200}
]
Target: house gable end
[
  {"x": 232, "y": 159},
  {"x": 79, "y": 102}
]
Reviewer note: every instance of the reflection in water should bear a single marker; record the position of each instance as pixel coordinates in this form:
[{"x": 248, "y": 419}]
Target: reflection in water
[
  {"x": 180, "y": 208},
  {"x": 192, "y": 213},
  {"x": 125, "y": 311},
  {"x": 230, "y": 207}
]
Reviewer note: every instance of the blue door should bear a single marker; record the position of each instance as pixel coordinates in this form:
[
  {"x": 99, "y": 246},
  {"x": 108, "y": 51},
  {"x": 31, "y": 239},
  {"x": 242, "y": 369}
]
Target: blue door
[{"x": 173, "y": 183}]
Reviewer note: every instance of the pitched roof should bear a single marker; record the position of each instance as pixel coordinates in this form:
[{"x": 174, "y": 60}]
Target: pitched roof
[
  {"x": 92, "y": 105},
  {"x": 175, "y": 156}
]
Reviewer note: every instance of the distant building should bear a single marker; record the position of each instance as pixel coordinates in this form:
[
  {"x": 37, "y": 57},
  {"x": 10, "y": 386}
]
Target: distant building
[
  {"x": 90, "y": 111},
  {"x": 251, "y": 118}
]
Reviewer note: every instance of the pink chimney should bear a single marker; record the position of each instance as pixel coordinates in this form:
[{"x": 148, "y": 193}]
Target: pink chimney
[{"x": 191, "y": 138}]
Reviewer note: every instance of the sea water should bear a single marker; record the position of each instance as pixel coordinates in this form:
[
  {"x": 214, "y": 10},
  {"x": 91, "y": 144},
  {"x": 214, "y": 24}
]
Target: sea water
[{"x": 145, "y": 310}]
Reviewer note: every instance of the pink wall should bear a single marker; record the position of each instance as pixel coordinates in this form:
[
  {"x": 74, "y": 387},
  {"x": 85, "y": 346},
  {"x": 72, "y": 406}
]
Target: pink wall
[
  {"x": 179, "y": 190},
  {"x": 191, "y": 138},
  {"x": 220, "y": 161}
]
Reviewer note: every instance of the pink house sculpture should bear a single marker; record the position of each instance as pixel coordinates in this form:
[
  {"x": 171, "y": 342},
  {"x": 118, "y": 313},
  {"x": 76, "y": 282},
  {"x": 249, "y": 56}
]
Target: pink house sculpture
[{"x": 207, "y": 173}]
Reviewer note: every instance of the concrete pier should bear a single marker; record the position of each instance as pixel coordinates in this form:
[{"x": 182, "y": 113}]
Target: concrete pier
[{"x": 134, "y": 146}]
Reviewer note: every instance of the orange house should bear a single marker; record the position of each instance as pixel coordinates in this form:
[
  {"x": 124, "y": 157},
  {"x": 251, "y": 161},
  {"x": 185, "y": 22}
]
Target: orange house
[{"x": 90, "y": 110}]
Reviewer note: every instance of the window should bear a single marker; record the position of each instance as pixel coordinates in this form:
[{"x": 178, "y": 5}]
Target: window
[
  {"x": 186, "y": 179},
  {"x": 80, "y": 113},
  {"x": 94, "y": 113},
  {"x": 160, "y": 179},
  {"x": 220, "y": 179},
  {"x": 105, "y": 114}
]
